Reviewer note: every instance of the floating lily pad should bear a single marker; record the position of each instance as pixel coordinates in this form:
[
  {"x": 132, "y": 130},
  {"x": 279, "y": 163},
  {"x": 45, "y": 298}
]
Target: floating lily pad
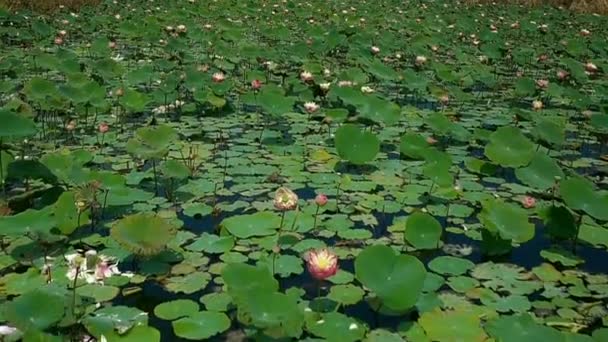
[
  {"x": 175, "y": 309},
  {"x": 355, "y": 145},
  {"x": 422, "y": 230},
  {"x": 201, "y": 325},
  {"x": 396, "y": 279}
]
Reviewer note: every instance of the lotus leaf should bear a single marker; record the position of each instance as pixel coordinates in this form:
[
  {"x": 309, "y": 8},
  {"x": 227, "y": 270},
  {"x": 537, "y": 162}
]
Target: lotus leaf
[
  {"x": 396, "y": 279},
  {"x": 143, "y": 233}
]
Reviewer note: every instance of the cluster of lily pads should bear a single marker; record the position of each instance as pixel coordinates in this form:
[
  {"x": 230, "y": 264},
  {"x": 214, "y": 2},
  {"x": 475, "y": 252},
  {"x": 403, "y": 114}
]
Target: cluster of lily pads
[{"x": 347, "y": 170}]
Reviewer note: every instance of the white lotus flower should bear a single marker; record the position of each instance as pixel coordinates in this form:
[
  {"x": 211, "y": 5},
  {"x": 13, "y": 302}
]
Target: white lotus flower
[
  {"x": 7, "y": 330},
  {"x": 375, "y": 49},
  {"x": 367, "y": 90},
  {"x": 325, "y": 86},
  {"x": 306, "y": 76},
  {"x": 311, "y": 107},
  {"x": 420, "y": 60}
]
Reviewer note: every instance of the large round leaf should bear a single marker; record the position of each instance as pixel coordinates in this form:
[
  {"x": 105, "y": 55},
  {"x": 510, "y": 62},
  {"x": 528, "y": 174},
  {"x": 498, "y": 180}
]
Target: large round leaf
[
  {"x": 459, "y": 325},
  {"x": 201, "y": 325},
  {"x": 422, "y": 230},
  {"x": 509, "y": 147},
  {"x": 38, "y": 309},
  {"x": 521, "y": 328},
  {"x": 176, "y": 309},
  {"x": 541, "y": 173},
  {"x": 334, "y": 326},
  {"x": 15, "y": 126},
  {"x": 355, "y": 145},
  {"x": 509, "y": 221},
  {"x": 396, "y": 279},
  {"x": 413, "y": 146},
  {"x": 579, "y": 194},
  {"x": 143, "y": 233},
  {"x": 259, "y": 224}
]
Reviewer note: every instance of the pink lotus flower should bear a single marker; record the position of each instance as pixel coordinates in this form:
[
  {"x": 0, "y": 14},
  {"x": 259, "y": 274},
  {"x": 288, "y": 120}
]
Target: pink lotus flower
[
  {"x": 256, "y": 84},
  {"x": 58, "y": 41},
  {"x": 218, "y": 77},
  {"x": 285, "y": 199},
  {"x": 528, "y": 202},
  {"x": 112, "y": 44},
  {"x": 590, "y": 67},
  {"x": 537, "y": 105},
  {"x": 430, "y": 140},
  {"x": 321, "y": 200},
  {"x": 70, "y": 126},
  {"x": 120, "y": 92},
  {"x": 321, "y": 264},
  {"x": 543, "y": 57},
  {"x": 542, "y": 83},
  {"x": 444, "y": 99},
  {"x": 585, "y": 32},
  {"x": 104, "y": 128},
  {"x": 562, "y": 74}
]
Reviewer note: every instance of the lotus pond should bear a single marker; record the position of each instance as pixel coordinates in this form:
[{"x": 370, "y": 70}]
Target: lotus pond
[{"x": 314, "y": 170}]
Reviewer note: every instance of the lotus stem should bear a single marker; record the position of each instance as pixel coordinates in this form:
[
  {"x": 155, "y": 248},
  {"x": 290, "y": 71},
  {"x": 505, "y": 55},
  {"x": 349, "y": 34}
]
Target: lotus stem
[
  {"x": 74, "y": 290},
  {"x": 314, "y": 226},
  {"x": 155, "y": 177},
  {"x": 2, "y": 173}
]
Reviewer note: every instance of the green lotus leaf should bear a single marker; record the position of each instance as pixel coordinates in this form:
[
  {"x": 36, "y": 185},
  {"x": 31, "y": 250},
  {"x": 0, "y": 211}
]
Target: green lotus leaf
[
  {"x": 414, "y": 146},
  {"x": 38, "y": 309},
  {"x": 276, "y": 312},
  {"x": 525, "y": 87},
  {"x": 379, "y": 110},
  {"x": 355, "y": 145},
  {"x": 201, "y": 325},
  {"x": 138, "y": 333},
  {"x": 143, "y": 233},
  {"x": 210, "y": 243},
  {"x": 334, "y": 326},
  {"x": 594, "y": 235},
  {"x": 216, "y": 301},
  {"x": 509, "y": 147},
  {"x": 521, "y": 328},
  {"x": 30, "y": 220},
  {"x": 580, "y": 194},
  {"x": 134, "y": 100},
  {"x": 559, "y": 222},
  {"x": 112, "y": 319},
  {"x": 346, "y": 294},
  {"x": 422, "y": 230},
  {"x": 541, "y": 173},
  {"x": 450, "y": 265},
  {"x": 15, "y": 126},
  {"x": 175, "y": 169},
  {"x": 551, "y": 131},
  {"x": 100, "y": 293},
  {"x": 437, "y": 168},
  {"x": 259, "y": 224},
  {"x": 175, "y": 309},
  {"x": 275, "y": 103},
  {"x": 243, "y": 279},
  {"x": 152, "y": 142},
  {"x": 599, "y": 123},
  {"x": 457, "y": 325},
  {"x": 509, "y": 221},
  {"x": 396, "y": 279},
  {"x": 381, "y": 335},
  {"x": 189, "y": 283}
]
